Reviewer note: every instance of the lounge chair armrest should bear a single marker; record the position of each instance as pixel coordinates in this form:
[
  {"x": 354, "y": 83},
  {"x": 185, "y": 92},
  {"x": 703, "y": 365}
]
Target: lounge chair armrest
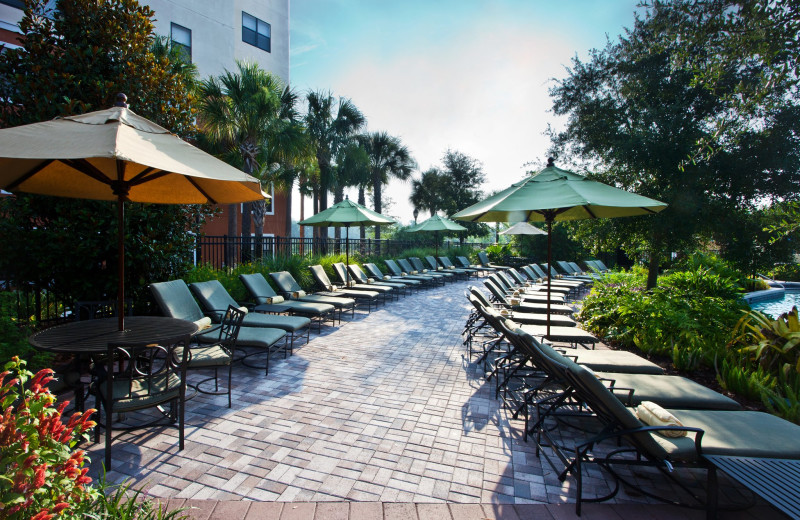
[
  {"x": 249, "y": 305},
  {"x": 698, "y": 439},
  {"x": 214, "y": 329},
  {"x": 625, "y": 395}
]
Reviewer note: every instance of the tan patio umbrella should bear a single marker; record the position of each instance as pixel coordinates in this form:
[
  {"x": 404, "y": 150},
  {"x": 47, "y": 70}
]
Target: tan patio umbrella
[
  {"x": 436, "y": 224},
  {"x": 116, "y": 155},
  {"x": 556, "y": 194}
]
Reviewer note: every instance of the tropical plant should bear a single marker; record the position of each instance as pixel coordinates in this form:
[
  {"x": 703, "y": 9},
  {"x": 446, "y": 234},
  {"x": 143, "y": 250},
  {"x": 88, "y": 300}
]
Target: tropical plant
[
  {"x": 328, "y": 132},
  {"x": 239, "y": 112},
  {"x": 388, "y": 158},
  {"x": 773, "y": 344}
]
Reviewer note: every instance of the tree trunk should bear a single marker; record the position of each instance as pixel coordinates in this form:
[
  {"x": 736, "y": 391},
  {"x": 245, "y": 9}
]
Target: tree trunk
[
  {"x": 233, "y": 232},
  {"x": 247, "y": 221},
  {"x": 338, "y": 196},
  {"x": 362, "y": 199},
  {"x": 652, "y": 268},
  {"x": 259, "y": 210},
  {"x": 376, "y": 194},
  {"x": 288, "y": 214}
]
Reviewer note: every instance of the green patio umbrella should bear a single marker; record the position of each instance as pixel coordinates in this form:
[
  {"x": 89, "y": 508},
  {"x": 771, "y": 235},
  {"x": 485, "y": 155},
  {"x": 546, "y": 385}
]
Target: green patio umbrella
[
  {"x": 556, "y": 194},
  {"x": 345, "y": 214},
  {"x": 523, "y": 228},
  {"x": 436, "y": 224}
]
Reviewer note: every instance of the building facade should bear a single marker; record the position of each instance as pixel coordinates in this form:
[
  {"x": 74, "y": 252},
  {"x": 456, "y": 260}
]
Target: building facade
[{"x": 214, "y": 34}]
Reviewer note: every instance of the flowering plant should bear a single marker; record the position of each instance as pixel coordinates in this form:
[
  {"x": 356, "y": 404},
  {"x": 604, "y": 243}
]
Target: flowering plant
[{"x": 40, "y": 476}]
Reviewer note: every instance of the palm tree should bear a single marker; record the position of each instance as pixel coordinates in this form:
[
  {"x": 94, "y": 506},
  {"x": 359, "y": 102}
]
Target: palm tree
[
  {"x": 388, "y": 158},
  {"x": 353, "y": 169},
  {"x": 426, "y": 192},
  {"x": 328, "y": 132},
  {"x": 238, "y": 112}
]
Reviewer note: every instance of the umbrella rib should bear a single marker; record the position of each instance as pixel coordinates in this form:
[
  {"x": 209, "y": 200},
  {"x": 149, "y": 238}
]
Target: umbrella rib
[
  {"x": 28, "y": 175},
  {"x": 138, "y": 178},
  {"x": 201, "y": 190},
  {"x": 88, "y": 169},
  {"x": 589, "y": 211}
]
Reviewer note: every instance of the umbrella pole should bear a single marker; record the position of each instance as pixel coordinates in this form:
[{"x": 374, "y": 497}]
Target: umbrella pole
[
  {"x": 549, "y": 266},
  {"x": 347, "y": 255},
  {"x": 121, "y": 263}
]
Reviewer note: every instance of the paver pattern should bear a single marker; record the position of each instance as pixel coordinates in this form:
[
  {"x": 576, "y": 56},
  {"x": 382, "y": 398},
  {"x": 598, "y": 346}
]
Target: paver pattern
[{"x": 384, "y": 408}]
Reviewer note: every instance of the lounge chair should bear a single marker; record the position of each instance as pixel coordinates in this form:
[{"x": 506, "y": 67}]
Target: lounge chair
[
  {"x": 360, "y": 277},
  {"x": 397, "y": 272},
  {"x": 485, "y": 263},
  {"x": 534, "y": 272},
  {"x": 419, "y": 266},
  {"x": 375, "y": 272},
  {"x": 214, "y": 299},
  {"x": 360, "y": 296},
  {"x": 176, "y": 301},
  {"x": 708, "y": 433},
  {"x": 572, "y": 269},
  {"x": 448, "y": 269},
  {"x": 512, "y": 280},
  {"x": 521, "y": 316},
  {"x": 539, "y": 295},
  {"x": 448, "y": 264},
  {"x": 346, "y": 280},
  {"x": 406, "y": 266},
  {"x": 522, "y": 305},
  {"x": 262, "y": 293},
  {"x": 463, "y": 261},
  {"x": 291, "y": 291}
]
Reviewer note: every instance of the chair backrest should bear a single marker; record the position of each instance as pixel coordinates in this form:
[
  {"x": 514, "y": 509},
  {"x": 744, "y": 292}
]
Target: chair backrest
[
  {"x": 229, "y": 329},
  {"x": 538, "y": 270},
  {"x": 175, "y": 300},
  {"x": 446, "y": 262},
  {"x": 496, "y": 291},
  {"x": 393, "y": 267},
  {"x": 479, "y": 296},
  {"x": 530, "y": 273},
  {"x": 258, "y": 287},
  {"x": 601, "y": 265},
  {"x": 417, "y": 263},
  {"x": 213, "y": 297},
  {"x": 501, "y": 281},
  {"x": 341, "y": 272},
  {"x": 483, "y": 257},
  {"x": 565, "y": 267},
  {"x": 464, "y": 261},
  {"x": 406, "y": 265},
  {"x": 432, "y": 262},
  {"x": 321, "y": 277},
  {"x": 549, "y": 269},
  {"x": 90, "y": 310},
  {"x": 357, "y": 273},
  {"x": 575, "y": 268},
  {"x": 373, "y": 271},
  {"x": 514, "y": 275},
  {"x": 144, "y": 375},
  {"x": 285, "y": 282}
]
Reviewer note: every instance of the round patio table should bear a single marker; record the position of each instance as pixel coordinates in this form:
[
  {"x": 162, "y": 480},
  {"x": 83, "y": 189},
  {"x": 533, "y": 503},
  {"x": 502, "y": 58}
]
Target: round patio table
[{"x": 93, "y": 336}]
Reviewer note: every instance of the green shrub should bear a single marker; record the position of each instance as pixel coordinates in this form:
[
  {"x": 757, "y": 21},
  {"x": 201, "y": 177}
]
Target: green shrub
[
  {"x": 499, "y": 252},
  {"x": 785, "y": 272},
  {"x": 733, "y": 375}
]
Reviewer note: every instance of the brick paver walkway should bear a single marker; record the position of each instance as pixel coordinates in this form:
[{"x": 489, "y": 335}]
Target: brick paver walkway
[{"x": 381, "y": 417}]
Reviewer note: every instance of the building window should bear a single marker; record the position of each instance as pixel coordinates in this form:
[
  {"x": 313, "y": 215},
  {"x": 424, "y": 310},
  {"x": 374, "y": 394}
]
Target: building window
[
  {"x": 256, "y": 32},
  {"x": 182, "y": 39}
]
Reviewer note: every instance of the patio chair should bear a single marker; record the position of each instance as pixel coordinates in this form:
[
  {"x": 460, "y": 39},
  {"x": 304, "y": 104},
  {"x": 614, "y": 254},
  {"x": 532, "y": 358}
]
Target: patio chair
[
  {"x": 571, "y": 269},
  {"x": 406, "y": 266},
  {"x": 175, "y": 300},
  {"x": 359, "y": 276},
  {"x": 485, "y": 263},
  {"x": 536, "y": 295},
  {"x": 523, "y": 305},
  {"x": 218, "y": 355},
  {"x": 291, "y": 291},
  {"x": 522, "y": 316},
  {"x": 344, "y": 277},
  {"x": 262, "y": 293},
  {"x": 448, "y": 264},
  {"x": 142, "y": 376},
  {"x": 419, "y": 266},
  {"x": 463, "y": 261},
  {"x": 708, "y": 433},
  {"x": 511, "y": 280},
  {"x": 360, "y": 296},
  {"x": 215, "y": 299},
  {"x": 409, "y": 282}
]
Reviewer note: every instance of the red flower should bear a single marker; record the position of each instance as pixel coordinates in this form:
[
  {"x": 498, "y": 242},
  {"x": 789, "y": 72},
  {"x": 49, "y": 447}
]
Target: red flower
[
  {"x": 60, "y": 507},
  {"x": 44, "y": 514},
  {"x": 38, "y": 479}
]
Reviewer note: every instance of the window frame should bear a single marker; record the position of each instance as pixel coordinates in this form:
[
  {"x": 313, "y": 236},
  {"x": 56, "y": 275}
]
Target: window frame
[
  {"x": 187, "y": 49},
  {"x": 257, "y": 35}
]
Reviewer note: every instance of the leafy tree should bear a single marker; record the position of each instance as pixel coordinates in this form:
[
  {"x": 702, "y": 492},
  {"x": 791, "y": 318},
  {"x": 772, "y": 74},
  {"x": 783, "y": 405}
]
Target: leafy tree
[
  {"x": 70, "y": 64},
  {"x": 426, "y": 192},
  {"x": 463, "y": 177},
  {"x": 239, "y": 111},
  {"x": 388, "y": 158},
  {"x": 353, "y": 169},
  {"x": 636, "y": 117},
  {"x": 329, "y": 126}
]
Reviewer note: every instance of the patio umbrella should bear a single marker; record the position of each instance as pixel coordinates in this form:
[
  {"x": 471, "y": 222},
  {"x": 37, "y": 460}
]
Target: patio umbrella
[
  {"x": 523, "y": 228},
  {"x": 116, "y": 155},
  {"x": 436, "y": 224},
  {"x": 556, "y": 194},
  {"x": 345, "y": 214}
]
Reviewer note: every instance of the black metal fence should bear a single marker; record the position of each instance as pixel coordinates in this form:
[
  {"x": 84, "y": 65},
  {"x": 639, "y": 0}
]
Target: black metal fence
[{"x": 226, "y": 251}]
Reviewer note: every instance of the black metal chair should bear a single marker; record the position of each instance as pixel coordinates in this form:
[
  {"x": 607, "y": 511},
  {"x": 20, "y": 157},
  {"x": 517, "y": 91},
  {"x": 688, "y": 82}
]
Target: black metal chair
[{"x": 142, "y": 376}]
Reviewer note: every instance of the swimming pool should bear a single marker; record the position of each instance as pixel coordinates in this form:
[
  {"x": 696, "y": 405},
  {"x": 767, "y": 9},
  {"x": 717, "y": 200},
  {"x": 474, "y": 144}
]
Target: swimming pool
[{"x": 776, "y": 307}]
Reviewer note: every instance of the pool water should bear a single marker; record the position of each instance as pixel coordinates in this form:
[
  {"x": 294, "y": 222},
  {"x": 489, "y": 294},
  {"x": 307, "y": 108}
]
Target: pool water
[{"x": 777, "y": 307}]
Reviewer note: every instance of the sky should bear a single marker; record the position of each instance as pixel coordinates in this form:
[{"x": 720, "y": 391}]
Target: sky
[{"x": 465, "y": 75}]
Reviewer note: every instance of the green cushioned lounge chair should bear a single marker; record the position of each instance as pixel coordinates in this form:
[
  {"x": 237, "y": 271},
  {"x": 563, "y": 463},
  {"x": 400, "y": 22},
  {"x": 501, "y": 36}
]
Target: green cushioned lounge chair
[
  {"x": 402, "y": 267},
  {"x": 436, "y": 266},
  {"x": 343, "y": 275},
  {"x": 485, "y": 263},
  {"x": 292, "y": 291},
  {"x": 262, "y": 293},
  {"x": 448, "y": 264},
  {"x": 524, "y": 305},
  {"x": 359, "y": 276},
  {"x": 375, "y": 272},
  {"x": 360, "y": 296},
  {"x": 527, "y": 318},
  {"x": 419, "y": 266}
]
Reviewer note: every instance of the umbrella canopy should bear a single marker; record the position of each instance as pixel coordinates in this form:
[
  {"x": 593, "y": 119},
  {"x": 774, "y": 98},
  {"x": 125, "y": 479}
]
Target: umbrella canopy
[
  {"x": 523, "y": 228},
  {"x": 345, "y": 214},
  {"x": 436, "y": 224},
  {"x": 116, "y": 155},
  {"x": 556, "y": 194}
]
